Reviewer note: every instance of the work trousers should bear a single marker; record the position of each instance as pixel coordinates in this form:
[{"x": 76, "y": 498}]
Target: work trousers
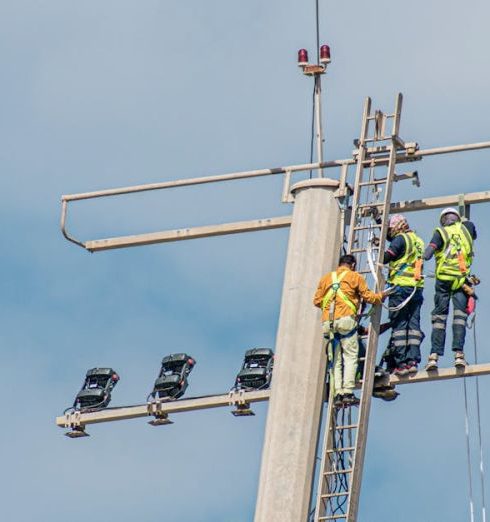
[
  {"x": 406, "y": 335},
  {"x": 345, "y": 353},
  {"x": 443, "y": 295}
]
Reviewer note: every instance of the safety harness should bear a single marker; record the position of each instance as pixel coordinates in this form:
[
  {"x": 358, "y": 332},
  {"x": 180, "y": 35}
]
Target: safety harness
[
  {"x": 334, "y": 338},
  {"x": 454, "y": 260},
  {"x": 331, "y": 296},
  {"x": 407, "y": 271}
]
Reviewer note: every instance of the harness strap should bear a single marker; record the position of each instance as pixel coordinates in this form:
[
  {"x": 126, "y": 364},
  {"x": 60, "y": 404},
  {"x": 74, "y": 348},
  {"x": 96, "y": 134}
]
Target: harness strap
[{"x": 333, "y": 291}]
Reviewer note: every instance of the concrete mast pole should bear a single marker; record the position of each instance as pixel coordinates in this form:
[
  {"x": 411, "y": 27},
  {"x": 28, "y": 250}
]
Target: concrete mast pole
[{"x": 295, "y": 406}]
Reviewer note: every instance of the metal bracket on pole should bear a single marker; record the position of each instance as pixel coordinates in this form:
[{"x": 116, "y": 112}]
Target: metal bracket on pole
[
  {"x": 414, "y": 176},
  {"x": 72, "y": 421},
  {"x": 242, "y": 407},
  {"x": 160, "y": 416},
  {"x": 464, "y": 209},
  {"x": 286, "y": 188}
]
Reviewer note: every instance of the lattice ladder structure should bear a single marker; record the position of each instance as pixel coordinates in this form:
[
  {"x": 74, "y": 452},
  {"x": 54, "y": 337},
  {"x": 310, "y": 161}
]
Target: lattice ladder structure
[{"x": 346, "y": 430}]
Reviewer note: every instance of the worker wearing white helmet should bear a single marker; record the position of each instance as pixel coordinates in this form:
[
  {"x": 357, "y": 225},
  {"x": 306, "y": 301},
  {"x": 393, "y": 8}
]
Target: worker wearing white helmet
[
  {"x": 404, "y": 258},
  {"x": 452, "y": 244}
]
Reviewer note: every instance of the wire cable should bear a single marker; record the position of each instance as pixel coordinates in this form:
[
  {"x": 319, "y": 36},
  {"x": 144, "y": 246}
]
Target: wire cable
[
  {"x": 468, "y": 452},
  {"x": 477, "y": 385},
  {"x": 317, "y": 19},
  {"x": 317, "y": 39},
  {"x": 312, "y": 139}
]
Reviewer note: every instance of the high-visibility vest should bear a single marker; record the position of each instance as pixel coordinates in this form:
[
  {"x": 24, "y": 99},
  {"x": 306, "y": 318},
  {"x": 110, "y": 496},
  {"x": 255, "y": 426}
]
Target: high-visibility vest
[
  {"x": 453, "y": 260},
  {"x": 406, "y": 271},
  {"x": 333, "y": 292}
]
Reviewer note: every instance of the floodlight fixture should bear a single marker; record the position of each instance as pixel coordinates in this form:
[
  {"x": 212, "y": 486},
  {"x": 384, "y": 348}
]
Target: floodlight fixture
[
  {"x": 96, "y": 390},
  {"x": 171, "y": 382},
  {"x": 256, "y": 371}
]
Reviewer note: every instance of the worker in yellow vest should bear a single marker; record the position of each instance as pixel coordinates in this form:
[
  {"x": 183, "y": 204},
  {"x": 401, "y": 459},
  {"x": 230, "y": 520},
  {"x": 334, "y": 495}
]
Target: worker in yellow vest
[
  {"x": 339, "y": 295},
  {"x": 452, "y": 244},
  {"x": 404, "y": 258}
]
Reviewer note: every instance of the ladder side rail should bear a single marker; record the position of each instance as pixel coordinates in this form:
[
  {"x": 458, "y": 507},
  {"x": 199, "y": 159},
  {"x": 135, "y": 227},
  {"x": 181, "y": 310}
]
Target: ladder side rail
[
  {"x": 359, "y": 171},
  {"x": 331, "y": 457},
  {"x": 330, "y": 430},
  {"x": 372, "y": 345},
  {"x": 326, "y": 462}
]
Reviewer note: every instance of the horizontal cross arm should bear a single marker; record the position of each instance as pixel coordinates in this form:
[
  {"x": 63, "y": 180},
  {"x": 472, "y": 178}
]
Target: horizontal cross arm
[
  {"x": 166, "y": 236},
  {"x": 71, "y": 420},
  {"x": 188, "y": 233}
]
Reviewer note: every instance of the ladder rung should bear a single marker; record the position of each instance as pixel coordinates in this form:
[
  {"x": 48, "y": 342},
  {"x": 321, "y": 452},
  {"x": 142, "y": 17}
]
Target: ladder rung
[
  {"x": 339, "y": 472},
  {"x": 338, "y": 450},
  {"x": 332, "y": 495},
  {"x": 347, "y": 427},
  {"x": 332, "y": 517},
  {"x": 368, "y": 227},
  {"x": 379, "y": 138},
  {"x": 373, "y": 182},
  {"x": 369, "y": 205},
  {"x": 356, "y": 250},
  {"x": 379, "y": 148}
]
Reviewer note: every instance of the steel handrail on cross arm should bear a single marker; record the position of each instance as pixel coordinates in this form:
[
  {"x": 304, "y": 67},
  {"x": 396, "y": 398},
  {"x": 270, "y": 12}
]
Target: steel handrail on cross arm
[{"x": 411, "y": 154}]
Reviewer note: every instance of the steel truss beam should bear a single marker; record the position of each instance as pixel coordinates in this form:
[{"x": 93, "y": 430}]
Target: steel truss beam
[{"x": 74, "y": 420}]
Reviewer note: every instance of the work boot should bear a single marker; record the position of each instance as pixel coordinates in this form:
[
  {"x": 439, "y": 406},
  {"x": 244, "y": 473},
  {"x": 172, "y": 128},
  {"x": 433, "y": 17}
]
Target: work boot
[
  {"x": 412, "y": 367},
  {"x": 459, "y": 360},
  {"x": 337, "y": 402},
  {"x": 401, "y": 370},
  {"x": 387, "y": 393},
  {"x": 432, "y": 362},
  {"x": 349, "y": 399}
]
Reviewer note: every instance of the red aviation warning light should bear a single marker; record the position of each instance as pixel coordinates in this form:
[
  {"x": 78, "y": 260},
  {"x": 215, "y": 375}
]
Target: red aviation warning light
[
  {"x": 302, "y": 57},
  {"x": 325, "y": 54}
]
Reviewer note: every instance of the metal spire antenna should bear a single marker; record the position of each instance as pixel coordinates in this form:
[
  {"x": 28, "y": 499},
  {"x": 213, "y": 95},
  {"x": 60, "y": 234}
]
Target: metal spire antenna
[{"x": 298, "y": 392}]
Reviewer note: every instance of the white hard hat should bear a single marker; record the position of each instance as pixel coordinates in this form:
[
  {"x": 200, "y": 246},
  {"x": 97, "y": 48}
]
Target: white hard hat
[
  {"x": 450, "y": 210},
  {"x": 445, "y": 217}
]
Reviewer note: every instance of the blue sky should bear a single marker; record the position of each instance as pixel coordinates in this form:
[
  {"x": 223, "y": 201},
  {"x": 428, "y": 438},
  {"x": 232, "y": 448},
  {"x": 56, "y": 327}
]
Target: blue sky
[{"x": 103, "y": 94}]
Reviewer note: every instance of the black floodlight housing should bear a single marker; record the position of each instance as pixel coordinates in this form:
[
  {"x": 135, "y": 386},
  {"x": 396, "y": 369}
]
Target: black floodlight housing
[
  {"x": 256, "y": 372},
  {"x": 96, "y": 390},
  {"x": 172, "y": 382}
]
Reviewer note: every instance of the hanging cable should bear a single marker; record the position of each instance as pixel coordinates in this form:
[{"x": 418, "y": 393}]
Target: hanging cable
[
  {"x": 317, "y": 19},
  {"x": 317, "y": 27},
  {"x": 468, "y": 452},
  {"x": 482, "y": 471},
  {"x": 312, "y": 139}
]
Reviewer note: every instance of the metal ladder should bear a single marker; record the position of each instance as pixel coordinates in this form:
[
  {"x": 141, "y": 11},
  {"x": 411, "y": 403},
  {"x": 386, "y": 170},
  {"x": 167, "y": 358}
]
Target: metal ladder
[{"x": 345, "y": 436}]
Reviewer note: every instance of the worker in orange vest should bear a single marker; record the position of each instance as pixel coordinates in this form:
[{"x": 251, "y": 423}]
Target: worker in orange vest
[{"x": 339, "y": 295}]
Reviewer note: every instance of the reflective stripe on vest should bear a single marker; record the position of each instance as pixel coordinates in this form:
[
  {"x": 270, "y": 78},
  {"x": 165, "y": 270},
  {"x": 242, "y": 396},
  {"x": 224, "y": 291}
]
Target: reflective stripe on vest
[
  {"x": 453, "y": 260},
  {"x": 335, "y": 291},
  {"x": 402, "y": 271}
]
